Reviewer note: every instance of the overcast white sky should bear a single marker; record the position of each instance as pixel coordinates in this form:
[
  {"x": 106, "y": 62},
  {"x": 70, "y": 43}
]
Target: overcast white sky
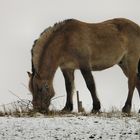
[{"x": 21, "y": 22}]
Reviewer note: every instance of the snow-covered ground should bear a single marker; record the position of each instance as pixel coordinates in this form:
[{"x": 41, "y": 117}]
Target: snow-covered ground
[{"x": 70, "y": 127}]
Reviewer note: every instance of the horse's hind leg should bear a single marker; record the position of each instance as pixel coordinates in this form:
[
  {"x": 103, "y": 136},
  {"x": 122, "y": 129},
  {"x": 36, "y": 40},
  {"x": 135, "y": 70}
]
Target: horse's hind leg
[
  {"x": 130, "y": 71},
  {"x": 138, "y": 80},
  {"x": 91, "y": 86},
  {"x": 69, "y": 82}
]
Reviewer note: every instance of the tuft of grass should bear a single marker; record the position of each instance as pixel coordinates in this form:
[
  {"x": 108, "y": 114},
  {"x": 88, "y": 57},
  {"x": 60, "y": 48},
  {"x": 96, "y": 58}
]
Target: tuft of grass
[
  {"x": 23, "y": 108},
  {"x": 16, "y": 109},
  {"x": 2, "y": 114}
]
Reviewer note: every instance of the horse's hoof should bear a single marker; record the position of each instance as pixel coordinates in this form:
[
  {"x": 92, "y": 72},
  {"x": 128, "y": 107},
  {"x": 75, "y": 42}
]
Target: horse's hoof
[
  {"x": 96, "y": 106},
  {"x": 66, "y": 109},
  {"x": 126, "y": 109},
  {"x": 94, "y": 111}
]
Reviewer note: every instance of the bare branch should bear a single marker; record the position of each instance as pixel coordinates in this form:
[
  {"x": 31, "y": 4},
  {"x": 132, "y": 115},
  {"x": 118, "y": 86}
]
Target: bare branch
[{"x": 57, "y": 97}]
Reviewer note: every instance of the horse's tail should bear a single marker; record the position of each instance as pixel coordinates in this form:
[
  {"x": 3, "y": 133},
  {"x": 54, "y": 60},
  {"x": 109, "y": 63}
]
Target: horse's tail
[
  {"x": 138, "y": 74},
  {"x": 138, "y": 80}
]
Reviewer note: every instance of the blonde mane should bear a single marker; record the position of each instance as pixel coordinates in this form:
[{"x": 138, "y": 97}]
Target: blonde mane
[{"x": 39, "y": 44}]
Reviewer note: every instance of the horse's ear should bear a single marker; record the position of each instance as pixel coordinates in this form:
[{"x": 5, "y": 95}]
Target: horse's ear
[{"x": 29, "y": 74}]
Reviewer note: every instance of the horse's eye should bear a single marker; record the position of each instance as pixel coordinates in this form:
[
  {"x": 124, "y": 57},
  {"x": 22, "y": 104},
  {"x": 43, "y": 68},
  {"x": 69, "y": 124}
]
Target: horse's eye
[{"x": 46, "y": 86}]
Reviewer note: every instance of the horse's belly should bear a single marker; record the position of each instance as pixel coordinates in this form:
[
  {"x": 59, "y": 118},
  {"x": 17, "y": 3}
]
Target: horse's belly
[
  {"x": 96, "y": 62},
  {"x": 105, "y": 62},
  {"x": 100, "y": 67},
  {"x": 69, "y": 65}
]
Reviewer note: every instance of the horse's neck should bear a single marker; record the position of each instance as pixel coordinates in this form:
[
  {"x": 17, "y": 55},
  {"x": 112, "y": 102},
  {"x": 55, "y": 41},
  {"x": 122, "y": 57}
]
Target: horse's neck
[{"x": 49, "y": 62}]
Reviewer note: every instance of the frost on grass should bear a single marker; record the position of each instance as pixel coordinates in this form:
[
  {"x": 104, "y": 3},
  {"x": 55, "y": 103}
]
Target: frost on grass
[
  {"x": 70, "y": 128},
  {"x": 23, "y": 124},
  {"x": 17, "y": 108}
]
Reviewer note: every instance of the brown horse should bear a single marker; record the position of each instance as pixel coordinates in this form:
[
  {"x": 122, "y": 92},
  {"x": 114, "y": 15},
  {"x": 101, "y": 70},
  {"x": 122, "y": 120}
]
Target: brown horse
[{"x": 73, "y": 44}]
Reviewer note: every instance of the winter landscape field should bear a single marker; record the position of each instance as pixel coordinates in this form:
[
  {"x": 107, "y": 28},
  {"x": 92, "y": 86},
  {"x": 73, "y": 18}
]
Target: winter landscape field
[
  {"x": 70, "y": 127},
  {"x": 21, "y": 23},
  {"x": 25, "y": 125}
]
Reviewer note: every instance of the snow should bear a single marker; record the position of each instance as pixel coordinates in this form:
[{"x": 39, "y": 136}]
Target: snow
[{"x": 70, "y": 127}]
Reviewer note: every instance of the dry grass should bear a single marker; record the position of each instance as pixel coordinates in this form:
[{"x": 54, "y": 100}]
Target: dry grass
[
  {"x": 17, "y": 109},
  {"x": 24, "y": 109}
]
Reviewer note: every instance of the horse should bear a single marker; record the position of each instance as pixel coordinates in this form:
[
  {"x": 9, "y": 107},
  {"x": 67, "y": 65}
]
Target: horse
[{"x": 73, "y": 44}]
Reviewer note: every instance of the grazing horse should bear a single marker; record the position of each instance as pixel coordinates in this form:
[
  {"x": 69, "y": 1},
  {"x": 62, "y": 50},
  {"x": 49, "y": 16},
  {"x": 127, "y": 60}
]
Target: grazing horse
[{"x": 73, "y": 44}]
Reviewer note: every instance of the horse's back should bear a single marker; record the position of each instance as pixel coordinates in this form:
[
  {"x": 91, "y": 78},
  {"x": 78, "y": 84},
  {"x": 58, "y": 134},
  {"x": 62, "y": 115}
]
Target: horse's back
[{"x": 100, "y": 44}]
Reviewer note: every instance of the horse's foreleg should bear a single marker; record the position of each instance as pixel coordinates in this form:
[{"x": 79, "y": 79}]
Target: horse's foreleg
[
  {"x": 69, "y": 82},
  {"x": 91, "y": 86},
  {"x": 131, "y": 86}
]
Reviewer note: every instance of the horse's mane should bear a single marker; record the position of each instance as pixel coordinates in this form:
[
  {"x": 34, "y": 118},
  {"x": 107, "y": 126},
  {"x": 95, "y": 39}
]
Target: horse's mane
[{"x": 39, "y": 44}]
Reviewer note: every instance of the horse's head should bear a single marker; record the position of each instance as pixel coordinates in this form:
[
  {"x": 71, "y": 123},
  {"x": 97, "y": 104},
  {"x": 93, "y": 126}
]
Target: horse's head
[{"x": 42, "y": 92}]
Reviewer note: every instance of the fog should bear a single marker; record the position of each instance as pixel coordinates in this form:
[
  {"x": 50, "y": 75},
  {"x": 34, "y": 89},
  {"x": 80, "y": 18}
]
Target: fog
[{"x": 21, "y": 22}]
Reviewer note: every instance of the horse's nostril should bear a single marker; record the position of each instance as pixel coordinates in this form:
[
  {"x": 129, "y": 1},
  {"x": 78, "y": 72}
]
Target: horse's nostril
[{"x": 36, "y": 106}]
